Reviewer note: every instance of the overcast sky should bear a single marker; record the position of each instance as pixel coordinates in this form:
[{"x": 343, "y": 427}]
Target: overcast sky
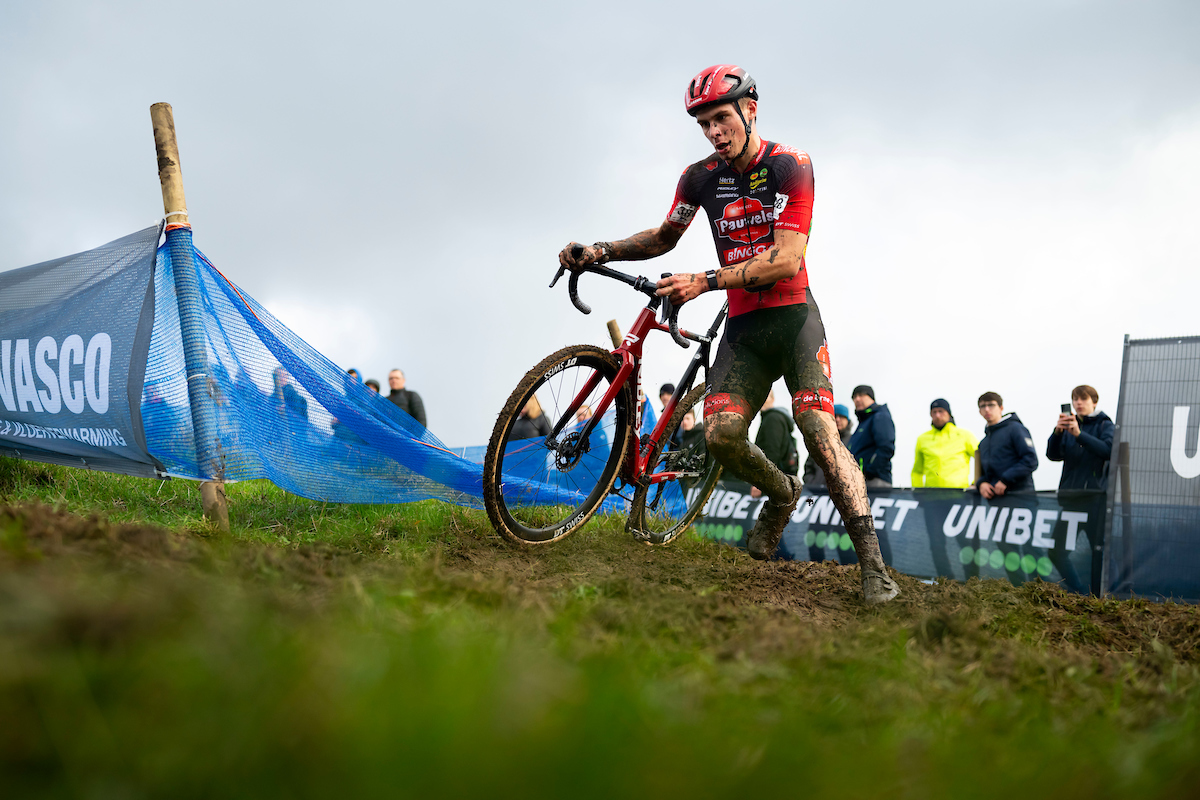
[{"x": 1003, "y": 190}]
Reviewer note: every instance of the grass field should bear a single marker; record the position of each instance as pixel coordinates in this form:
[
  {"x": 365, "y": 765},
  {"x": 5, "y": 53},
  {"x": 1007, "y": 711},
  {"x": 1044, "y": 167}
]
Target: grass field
[{"x": 324, "y": 650}]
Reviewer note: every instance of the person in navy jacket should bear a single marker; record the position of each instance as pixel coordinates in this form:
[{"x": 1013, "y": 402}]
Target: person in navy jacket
[
  {"x": 1083, "y": 442},
  {"x": 874, "y": 442},
  {"x": 1007, "y": 457}
]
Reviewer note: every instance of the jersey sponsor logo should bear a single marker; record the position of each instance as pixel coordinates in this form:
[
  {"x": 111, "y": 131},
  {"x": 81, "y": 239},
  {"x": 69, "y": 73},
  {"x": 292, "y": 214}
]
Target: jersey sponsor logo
[
  {"x": 736, "y": 254},
  {"x": 726, "y": 180},
  {"x": 682, "y": 213},
  {"x": 724, "y": 195},
  {"x": 757, "y": 179},
  {"x": 745, "y": 221},
  {"x": 780, "y": 149},
  {"x": 781, "y": 201}
]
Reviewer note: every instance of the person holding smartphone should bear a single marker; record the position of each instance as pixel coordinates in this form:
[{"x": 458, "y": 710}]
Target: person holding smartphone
[{"x": 1082, "y": 440}]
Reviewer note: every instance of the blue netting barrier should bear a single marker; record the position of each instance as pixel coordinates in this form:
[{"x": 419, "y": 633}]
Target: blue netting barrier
[{"x": 286, "y": 413}]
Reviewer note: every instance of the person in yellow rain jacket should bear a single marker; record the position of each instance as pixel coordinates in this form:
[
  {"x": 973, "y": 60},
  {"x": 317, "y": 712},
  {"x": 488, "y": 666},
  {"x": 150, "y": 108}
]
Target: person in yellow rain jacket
[{"x": 944, "y": 452}]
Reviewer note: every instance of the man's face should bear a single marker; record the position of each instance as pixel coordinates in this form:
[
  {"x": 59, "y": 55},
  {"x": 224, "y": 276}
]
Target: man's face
[
  {"x": 861, "y": 401},
  {"x": 723, "y": 128},
  {"x": 1084, "y": 406},
  {"x": 842, "y": 422},
  {"x": 396, "y": 380},
  {"x": 689, "y": 421},
  {"x": 663, "y": 398},
  {"x": 991, "y": 411},
  {"x": 939, "y": 417}
]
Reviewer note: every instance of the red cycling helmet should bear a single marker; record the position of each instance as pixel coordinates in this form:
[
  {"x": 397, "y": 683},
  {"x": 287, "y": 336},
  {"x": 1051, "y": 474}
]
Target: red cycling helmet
[{"x": 723, "y": 83}]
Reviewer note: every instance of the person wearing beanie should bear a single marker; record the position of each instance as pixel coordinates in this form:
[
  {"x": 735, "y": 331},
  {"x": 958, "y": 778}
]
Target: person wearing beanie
[
  {"x": 814, "y": 478},
  {"x": 874, "y": 443},
  {"x": 944, "y": 452}
]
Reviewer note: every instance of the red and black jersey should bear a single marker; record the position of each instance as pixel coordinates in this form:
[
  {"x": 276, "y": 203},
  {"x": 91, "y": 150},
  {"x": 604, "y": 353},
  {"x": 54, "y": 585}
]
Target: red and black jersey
[{"x": 745, "y": 208}]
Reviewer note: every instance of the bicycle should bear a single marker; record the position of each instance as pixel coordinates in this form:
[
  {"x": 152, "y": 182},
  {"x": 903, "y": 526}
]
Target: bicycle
[{"x": 538, "y": 489}]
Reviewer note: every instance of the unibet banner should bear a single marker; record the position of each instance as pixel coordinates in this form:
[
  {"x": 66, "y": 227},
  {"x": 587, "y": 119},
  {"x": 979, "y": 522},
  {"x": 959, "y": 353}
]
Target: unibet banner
[
  {"x": 932, "y": 532},
  {"x": 74, "y": 334}
]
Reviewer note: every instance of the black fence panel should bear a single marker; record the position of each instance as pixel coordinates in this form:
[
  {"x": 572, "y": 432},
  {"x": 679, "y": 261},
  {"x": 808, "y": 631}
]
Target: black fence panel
[{"x": 1154, "y": 537}]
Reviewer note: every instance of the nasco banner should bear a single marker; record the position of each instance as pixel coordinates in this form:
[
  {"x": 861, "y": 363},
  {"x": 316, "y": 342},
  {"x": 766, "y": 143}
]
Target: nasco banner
[
  {"x": 932, "y": 532},
  {"x": 74, "y": 334}
]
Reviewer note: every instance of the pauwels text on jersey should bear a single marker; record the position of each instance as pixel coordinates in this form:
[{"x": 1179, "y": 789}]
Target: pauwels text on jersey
[{"x": 49, "y": 378}]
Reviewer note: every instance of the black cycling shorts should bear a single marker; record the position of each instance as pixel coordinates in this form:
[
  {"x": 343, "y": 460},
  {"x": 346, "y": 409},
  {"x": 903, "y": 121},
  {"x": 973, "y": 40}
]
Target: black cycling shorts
[{"x": 760, "y": 346}]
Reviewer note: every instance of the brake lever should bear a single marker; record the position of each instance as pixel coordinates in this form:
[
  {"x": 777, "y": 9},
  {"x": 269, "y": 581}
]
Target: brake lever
[{"x": 573, "y": 283}]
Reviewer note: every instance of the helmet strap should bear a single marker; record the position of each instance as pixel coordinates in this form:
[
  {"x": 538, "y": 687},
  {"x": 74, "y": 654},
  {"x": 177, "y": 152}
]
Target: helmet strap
[{"x": 737, "y": 104}]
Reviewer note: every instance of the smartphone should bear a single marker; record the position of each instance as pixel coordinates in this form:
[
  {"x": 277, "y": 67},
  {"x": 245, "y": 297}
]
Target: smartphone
[{"x": 1066, "y": 408}]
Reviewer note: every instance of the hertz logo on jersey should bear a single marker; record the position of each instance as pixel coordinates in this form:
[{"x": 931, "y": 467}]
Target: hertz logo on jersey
[{"x": 746, "y": 221}]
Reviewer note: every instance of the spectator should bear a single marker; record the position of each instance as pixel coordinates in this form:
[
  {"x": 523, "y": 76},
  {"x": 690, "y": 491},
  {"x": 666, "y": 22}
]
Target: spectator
[
  {"x": 372, "y": 384},
  {"x": 943, "y": 457},
  {"x": 649, "y": 418},
  {"x": 404, "y": 399},
  {"x": 287, "y": 398},
  {"x": 1006, "y": 458},
  {"x": 874, "y": 442},
  {"x": 352, "y": 372},
  {"x": 1083, "y": 442},
  {"x": 532, "y": 422},
  {"x": 664, "y": 394},
  {"x": 597, "y": 455},
  {"x": 814, "y": 478},
  {"x": 691, "y": 434},
  {"x": 775, "y": 439}
]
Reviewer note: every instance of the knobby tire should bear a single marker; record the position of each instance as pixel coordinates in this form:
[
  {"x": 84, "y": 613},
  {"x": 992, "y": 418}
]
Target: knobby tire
[{"x": 526, "y": 517}]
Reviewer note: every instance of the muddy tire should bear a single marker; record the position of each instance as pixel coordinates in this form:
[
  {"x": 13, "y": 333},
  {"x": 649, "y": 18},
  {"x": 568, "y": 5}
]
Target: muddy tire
[
  {"x": 537, "y": 493},
  {"x": 661, "y": 511}
]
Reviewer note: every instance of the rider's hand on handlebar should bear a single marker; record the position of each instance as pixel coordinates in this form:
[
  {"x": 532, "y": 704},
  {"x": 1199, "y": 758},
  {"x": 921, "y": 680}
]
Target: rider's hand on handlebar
[
  {"x": 573, "y": 263},
  {"x": 682, "y": 286}
]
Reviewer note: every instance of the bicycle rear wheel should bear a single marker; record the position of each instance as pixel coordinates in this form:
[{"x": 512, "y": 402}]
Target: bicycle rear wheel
[
  {"x": 538, "y": 488},
  {"x": 661, "y": 511}
]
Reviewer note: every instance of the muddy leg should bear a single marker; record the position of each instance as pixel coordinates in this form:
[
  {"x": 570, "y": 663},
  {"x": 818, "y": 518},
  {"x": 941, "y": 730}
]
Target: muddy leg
[
  {"x": 848, "y": 490},
  {"x": 726, "y": 435}
]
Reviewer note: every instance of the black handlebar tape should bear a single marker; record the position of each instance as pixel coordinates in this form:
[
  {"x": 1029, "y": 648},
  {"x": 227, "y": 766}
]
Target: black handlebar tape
[
  {"x": 577, "y": 250},
  {"x": 671, "y": 312},
  {"x": 679, "y": 340},
  {"x": 573, "y": 288}
]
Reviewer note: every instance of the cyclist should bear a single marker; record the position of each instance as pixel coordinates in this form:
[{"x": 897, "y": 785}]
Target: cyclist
[{"x": 758, "y": 197}]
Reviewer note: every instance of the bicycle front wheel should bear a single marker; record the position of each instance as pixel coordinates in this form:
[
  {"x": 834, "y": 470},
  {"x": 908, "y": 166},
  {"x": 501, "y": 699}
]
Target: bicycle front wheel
[
  {"x": 546, "y": 471},
  {"x": 661, "y": 511}
]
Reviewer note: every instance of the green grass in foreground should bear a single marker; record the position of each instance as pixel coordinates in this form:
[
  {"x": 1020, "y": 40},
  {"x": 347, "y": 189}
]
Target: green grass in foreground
[{"x": 323, "y": 650}]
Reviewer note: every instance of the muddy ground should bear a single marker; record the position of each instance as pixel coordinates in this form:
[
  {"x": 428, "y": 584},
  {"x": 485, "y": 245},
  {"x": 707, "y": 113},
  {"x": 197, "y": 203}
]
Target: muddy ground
[{"x": 714, "y": 590}]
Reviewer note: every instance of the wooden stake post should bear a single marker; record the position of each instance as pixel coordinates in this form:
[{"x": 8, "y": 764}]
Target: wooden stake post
[
  {"x": 191, "y": 324},
  {"x": 614, "y": 333}
]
